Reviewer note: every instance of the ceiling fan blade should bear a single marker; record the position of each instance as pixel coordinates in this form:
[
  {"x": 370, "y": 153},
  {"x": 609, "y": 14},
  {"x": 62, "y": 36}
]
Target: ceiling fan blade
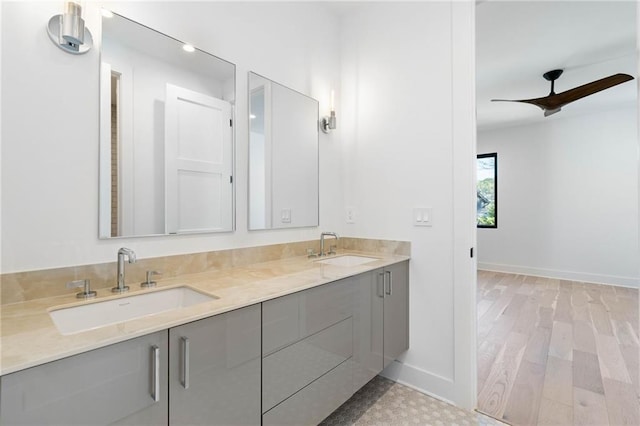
[
  {"x": 548, "y": 112},
  {"x": 564, "y": 98},
  {"x": 553, "y": 103},
  {"x": 537, "y": 101}
]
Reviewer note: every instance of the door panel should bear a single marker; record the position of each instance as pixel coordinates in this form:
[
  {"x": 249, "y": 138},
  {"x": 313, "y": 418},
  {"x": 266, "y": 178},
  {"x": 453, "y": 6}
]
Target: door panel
[
  {"x": 198, "y": 162},
  {"x": 197, "y": 209}
]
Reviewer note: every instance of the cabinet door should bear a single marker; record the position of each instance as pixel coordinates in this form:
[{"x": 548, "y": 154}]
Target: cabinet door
[
  {"x": 396, "y": 311},
  {"x": 118, "y": 384},
  {"x": 214, "y": 372},
  {"x": 367, "y": 327}
]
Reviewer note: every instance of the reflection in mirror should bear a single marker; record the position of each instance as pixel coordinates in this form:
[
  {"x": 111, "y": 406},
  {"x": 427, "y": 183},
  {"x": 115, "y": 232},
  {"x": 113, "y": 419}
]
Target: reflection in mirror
[
  {"x": 283, "y": 156},
  {"x": 166, "y": 138}
]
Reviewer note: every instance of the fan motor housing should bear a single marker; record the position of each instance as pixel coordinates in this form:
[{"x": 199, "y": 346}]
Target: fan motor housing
[{"x": 552, "y": 75}]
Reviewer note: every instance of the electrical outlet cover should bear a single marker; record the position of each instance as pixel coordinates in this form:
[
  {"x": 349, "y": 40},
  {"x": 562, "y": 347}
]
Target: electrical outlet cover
[{"x": 351, "y": 215}]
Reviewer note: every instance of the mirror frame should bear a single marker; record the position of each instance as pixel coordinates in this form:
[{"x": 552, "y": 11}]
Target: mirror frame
[
  {"x": 317, "y": 224},
  {"x": 104, "y": 171}
]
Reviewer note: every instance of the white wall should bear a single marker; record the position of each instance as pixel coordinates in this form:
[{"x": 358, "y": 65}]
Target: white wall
[
  {"x": 401, "y": 141},
  {"x": 405, "y": 139},
  {"x": 50, "y": 116},
  {"x": 567, "y": 199}
]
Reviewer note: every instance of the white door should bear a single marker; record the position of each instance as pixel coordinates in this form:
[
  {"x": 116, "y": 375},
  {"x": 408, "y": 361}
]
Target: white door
[{"x": 198, "y": 159}]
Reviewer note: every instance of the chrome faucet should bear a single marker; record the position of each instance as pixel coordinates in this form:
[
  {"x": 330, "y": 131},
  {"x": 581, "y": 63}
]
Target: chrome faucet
[
  {"x": 131, "y": 256},
  {"x": 325, "y": 234}
]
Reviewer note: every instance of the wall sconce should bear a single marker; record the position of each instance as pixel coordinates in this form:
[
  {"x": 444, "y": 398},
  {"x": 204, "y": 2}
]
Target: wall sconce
[
  {"x": 329, "y": 123},
  {"x": 67, "y": 31}
]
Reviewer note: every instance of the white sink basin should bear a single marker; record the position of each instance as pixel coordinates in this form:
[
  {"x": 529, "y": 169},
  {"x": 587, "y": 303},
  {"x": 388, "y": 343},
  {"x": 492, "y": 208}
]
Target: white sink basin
[
  {"x": 347, "y": 260},
  {"x": 98, "y": 314}
]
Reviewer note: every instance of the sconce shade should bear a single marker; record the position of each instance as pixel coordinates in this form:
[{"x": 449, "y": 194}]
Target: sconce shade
[
  {"x": 327, "y": 124},
  {"x": 67, "y": 31},
  {"x": 72, "y": 24}
]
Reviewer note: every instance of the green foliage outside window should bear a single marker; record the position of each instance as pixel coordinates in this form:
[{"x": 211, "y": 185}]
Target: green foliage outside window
[{"x": 486, "y": 190}]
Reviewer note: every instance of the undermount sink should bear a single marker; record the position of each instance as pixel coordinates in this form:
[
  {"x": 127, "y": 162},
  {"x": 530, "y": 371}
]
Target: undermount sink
[
  {"x": 347, "y": 260},
  {"x": 99, "y": 314}
]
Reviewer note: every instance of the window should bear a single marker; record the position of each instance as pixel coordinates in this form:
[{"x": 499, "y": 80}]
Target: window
[{"x": 487, "y": 190}]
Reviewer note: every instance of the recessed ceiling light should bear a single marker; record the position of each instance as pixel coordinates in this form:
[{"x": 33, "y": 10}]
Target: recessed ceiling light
[
  {"x": 106, "y": 13},
  {"x": 188, "y": 48},
  {"x": 252, "y": 116}
]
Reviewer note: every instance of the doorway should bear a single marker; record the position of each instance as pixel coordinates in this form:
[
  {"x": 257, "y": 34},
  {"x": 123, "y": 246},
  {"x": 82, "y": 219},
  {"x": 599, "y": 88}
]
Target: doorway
[{"x": 557, "y": 304}]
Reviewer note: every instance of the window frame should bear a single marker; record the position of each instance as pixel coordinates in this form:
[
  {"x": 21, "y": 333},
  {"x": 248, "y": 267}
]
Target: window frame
[{"x": 495, "y": 188}]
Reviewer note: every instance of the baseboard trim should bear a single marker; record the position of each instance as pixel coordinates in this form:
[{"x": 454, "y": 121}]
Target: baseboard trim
[
  {"x": 441, "y": 388},
  {"x": 564, "y": 275}
]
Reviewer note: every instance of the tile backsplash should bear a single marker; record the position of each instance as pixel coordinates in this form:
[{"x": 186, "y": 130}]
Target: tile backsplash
[{"x": 29, "y": 285}]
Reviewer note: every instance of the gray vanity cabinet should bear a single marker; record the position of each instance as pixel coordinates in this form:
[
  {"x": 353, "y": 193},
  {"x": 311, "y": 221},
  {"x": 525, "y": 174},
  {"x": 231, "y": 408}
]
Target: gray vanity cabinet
[
  {"x": 289, "y": 360},
  {"x": 380, "y": 320},
  {"x": 123, "y": 384},
  {"x": 395, "y": 282},
  {"x": 321, "y": 345},
  {"x": 368, "y": 326},
  {"x": 307, "y": 348},
  {"x": 214, "y": 371}
]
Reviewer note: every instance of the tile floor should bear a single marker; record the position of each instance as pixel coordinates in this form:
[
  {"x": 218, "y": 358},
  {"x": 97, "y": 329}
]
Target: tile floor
[
  {"x": 383, "y": 402},
  {"x": 556, "y": 352}
]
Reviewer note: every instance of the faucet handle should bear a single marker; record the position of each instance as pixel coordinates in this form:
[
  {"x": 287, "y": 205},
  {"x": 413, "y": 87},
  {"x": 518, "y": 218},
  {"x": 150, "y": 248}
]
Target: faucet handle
[
  {"x": 87, "y": 293},
  {"x": 332, "y": 249},
  {"x": 311, "y": 253},
  {"x": 149, "y": 283}
]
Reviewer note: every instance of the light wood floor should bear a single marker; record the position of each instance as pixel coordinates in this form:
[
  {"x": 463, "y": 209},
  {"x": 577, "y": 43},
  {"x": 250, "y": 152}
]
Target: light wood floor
[{"x": 556, "y": 352}]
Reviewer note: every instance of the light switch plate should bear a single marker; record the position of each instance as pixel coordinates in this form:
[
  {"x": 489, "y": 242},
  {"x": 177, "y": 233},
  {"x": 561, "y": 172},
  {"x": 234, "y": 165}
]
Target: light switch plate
[
  {"x": 285, "y": 216},
  {"x": 422, "y": 216}
]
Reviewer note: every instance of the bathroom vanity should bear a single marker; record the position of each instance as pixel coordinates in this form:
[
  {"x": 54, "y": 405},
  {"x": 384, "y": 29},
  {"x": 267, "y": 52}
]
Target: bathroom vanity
[
  {"x": 274, "y": 343},
  {"x": 321, "y": 345},
  {"x": 288, "y": 349}
]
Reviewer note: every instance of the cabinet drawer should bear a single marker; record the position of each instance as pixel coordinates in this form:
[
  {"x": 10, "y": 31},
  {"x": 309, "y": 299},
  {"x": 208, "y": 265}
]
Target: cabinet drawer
[
  {"x": 99, "y": 387},
  {"x": 290, "y": 369},
  {"x": 313, "y": 403},
  {"x": 291, "y": 318}
]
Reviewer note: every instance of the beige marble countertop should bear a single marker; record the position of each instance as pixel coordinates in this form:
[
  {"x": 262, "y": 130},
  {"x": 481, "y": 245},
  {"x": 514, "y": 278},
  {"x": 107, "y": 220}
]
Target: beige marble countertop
[{"x": 29, "y": 337}]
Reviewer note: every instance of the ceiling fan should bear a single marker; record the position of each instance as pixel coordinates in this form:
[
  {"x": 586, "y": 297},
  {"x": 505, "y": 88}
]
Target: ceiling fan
[{"x": 554, "y": 102}]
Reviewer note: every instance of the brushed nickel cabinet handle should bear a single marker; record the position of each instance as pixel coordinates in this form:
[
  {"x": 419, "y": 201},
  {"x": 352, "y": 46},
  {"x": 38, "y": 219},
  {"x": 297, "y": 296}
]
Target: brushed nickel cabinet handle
[
  {"x": 390, "y": 291},
  {"x": 155, "y": 373},
  {"x": 184, "y": 368},
  {"x": 380, "y": 286}
]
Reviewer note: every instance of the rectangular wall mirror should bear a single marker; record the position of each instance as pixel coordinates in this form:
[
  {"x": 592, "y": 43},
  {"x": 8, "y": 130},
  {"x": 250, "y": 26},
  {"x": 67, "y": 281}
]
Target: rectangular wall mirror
[
  {"x": 283, "y": 156},
  {"x": 166, "y": 135}
]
